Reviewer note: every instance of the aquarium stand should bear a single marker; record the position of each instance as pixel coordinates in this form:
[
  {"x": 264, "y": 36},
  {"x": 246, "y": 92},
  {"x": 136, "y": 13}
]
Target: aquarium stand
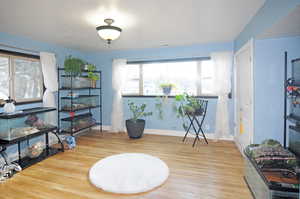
[
  {"x": 26, "y": 161},
  {"x": 79, "y": 102}
]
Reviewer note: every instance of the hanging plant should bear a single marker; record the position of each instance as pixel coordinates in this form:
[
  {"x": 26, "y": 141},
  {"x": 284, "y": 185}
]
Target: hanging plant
[
  {"x": 73, "y": 66},
  {"x": 167, "y": 88}
]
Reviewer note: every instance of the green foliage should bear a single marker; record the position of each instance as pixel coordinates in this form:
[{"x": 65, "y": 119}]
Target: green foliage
[
  {"x": 158, "y": 106},
  {"x": 184, "y": 104},
  {"x": 187, "y": 104},
  {"x": 73, "y": 66},
  {"x": 270, "y": 142},
  {"x": 91, "y": 75},
  {"x": 138, "y": 111},
  {"x": 166, "y": 85}
]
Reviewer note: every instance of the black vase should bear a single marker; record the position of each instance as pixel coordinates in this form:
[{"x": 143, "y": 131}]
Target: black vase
[{"x": 135, "y": 129}]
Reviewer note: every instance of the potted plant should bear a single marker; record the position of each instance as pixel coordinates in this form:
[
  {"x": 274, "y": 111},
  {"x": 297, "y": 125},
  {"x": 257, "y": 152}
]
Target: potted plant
[
  {"x": 167, "y": 88},
  {"x": 189, "y": 104},
  {"x": 186, "y": 104},
  {"x": 92, "y": 75},
  {"x": 135, "y": 126},
  {"x": 73, "y": 66}
]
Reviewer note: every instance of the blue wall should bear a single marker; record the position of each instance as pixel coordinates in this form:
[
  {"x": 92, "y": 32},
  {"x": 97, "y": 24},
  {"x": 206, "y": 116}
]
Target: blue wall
[
  {"x": 104, "y": 61},
  {"x": 268, "y": 15},
  {"x": 268, "y": 85}
]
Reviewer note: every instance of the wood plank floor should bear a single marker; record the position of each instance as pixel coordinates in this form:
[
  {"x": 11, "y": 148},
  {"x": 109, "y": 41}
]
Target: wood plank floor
[{"x": 213, "y": 171}]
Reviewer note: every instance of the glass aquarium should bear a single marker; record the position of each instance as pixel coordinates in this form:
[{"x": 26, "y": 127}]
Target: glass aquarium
[
  {"x": 79, "y": 122},
  {"x": 23, "y": 123},
  {"x": 294, "y": 140},
  {"x": 80, "y": 102},
  {"x": 76, "y": 82}
]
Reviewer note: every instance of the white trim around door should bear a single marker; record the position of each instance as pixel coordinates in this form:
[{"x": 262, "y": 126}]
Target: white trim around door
[{"x": 248, "y": 46}]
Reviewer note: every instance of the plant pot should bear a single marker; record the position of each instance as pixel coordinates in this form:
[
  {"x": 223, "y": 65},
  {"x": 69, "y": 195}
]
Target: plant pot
[
  {"x": 93, "y": 83},
  {"x": 135, "y": 129},
  {"x": 196, "y": 112},
  {"x": 167, "y": 90}
]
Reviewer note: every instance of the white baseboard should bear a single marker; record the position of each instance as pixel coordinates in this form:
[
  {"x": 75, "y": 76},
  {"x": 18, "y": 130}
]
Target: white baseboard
[{"x": 167, "y": 132}]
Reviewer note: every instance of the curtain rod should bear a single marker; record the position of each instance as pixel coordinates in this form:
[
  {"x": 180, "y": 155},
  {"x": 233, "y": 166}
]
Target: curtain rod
[
  {"x": 23, "y": 49},
  {"x": 169, "y": 60}
]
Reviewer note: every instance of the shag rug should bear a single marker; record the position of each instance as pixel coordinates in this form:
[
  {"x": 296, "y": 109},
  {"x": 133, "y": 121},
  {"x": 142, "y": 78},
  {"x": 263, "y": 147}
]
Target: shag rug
[{"x": 129, "y": 173}]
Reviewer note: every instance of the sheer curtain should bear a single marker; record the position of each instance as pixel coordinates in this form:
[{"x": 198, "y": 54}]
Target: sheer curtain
[
  {"x": 222, "y": 66},
  {"x": 48, "y": 62},
  {"x": 118, "y": 79}
]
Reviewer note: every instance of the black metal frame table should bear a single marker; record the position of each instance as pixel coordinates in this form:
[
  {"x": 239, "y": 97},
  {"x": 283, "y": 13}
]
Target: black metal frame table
[
  {"x": 194, "y": 122},
  {"x": 48, "y": 151}
]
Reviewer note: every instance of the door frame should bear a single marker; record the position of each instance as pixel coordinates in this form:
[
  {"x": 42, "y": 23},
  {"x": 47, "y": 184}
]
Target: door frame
[{"x": 248, "y": 45}]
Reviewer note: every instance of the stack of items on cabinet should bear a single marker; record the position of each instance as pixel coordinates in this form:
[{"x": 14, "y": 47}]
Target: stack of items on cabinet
[{"x": 271, "y": 171}]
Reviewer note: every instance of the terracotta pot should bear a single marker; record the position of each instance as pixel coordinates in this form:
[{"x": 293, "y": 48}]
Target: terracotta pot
[{"x": 93, "y": 83}]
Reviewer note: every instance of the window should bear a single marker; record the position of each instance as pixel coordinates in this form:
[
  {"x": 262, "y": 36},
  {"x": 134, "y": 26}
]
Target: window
[
  {"x": 20, "y": 78},
  {"x": 193, "y": 77}
]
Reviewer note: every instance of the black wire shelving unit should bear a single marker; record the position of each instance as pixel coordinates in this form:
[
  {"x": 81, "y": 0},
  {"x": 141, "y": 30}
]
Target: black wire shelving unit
[{"x": 89, "y": 111}]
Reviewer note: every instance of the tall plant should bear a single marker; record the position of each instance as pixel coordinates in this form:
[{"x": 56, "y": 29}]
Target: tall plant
[{"x": 138, "y": 111}]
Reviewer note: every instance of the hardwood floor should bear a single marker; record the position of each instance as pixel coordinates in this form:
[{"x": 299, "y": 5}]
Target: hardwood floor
[{"x": 213, "y": 171}]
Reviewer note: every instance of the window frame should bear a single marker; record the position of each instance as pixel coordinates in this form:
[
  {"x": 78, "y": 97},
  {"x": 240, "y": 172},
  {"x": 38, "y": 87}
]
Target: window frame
[
  {"x": 15, "y": 55},
  {"x": 140, "y": 63}
]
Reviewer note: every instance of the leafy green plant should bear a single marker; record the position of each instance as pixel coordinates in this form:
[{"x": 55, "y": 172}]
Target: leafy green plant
[
  {"x": 186, "y": 104},
  {"x": 138, "y": 111},
  {"x": 158, "y": 107},
  {"x": 91, "y": 75},
  {"x": 166, "y": 85},
  {"x": 73, "y": 66}
]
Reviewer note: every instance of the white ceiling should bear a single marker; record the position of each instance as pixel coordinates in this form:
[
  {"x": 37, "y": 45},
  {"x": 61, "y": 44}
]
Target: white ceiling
[
  {"x": 286, "y": 27},
  {"x": 145, "y": 23}
]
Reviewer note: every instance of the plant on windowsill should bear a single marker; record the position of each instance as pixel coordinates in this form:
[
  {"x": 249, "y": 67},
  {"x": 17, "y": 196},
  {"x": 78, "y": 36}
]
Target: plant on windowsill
[
  {"x": 92, "y": 75},
  {"x": 166, "y": 88},
  {"x": 135, "y": 126}
]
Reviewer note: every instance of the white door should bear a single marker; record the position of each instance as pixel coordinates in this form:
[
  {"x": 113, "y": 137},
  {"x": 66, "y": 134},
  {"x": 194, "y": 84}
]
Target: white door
[{"x": 244, "y": 96}]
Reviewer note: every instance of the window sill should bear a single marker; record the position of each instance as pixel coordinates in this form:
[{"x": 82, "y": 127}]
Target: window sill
[{"x": 170, "y": 96}]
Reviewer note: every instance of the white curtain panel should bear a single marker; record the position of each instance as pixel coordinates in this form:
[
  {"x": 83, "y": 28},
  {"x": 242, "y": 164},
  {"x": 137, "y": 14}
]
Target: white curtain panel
[
  {"x": 48, "y": 62},
  {"x": 222, "y": 66},
  {"x": 118, "y": 79}
]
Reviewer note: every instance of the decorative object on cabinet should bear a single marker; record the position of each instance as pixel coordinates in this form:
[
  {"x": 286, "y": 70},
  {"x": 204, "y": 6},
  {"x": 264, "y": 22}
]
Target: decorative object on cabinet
[
  {"x": 9, "y": 106},
  {"x": 78, "y": 110},
  {"x": 24, "y": 125}
]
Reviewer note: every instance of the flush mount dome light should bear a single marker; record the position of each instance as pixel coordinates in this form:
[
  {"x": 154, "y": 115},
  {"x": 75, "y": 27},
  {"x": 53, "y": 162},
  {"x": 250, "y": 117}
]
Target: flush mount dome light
[{"x": 109, "y": 32}]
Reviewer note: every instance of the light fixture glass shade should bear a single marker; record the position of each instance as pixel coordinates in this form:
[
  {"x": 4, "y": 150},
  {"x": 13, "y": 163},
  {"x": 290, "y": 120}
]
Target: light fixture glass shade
[{"x": 109, "y": 33}]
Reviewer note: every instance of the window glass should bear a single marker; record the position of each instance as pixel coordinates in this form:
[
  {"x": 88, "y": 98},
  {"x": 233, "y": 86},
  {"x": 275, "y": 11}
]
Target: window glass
[
  {"x": 207, "y": 80},
  {"x": 132, "y": 80},
  {"x": 192, "y": 77},
  {"x": 182, "y": 75},
  {"x": 4, "y": 77},
  {"x": 28, "y": 79}
]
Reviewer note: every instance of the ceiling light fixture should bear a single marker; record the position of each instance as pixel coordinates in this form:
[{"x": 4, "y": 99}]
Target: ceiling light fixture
[{"x": 109, "y": 32}]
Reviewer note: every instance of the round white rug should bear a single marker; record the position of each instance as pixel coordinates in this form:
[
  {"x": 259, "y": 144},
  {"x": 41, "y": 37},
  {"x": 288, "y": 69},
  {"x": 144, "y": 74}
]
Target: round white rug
[{"x": 129, "y": 173}]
